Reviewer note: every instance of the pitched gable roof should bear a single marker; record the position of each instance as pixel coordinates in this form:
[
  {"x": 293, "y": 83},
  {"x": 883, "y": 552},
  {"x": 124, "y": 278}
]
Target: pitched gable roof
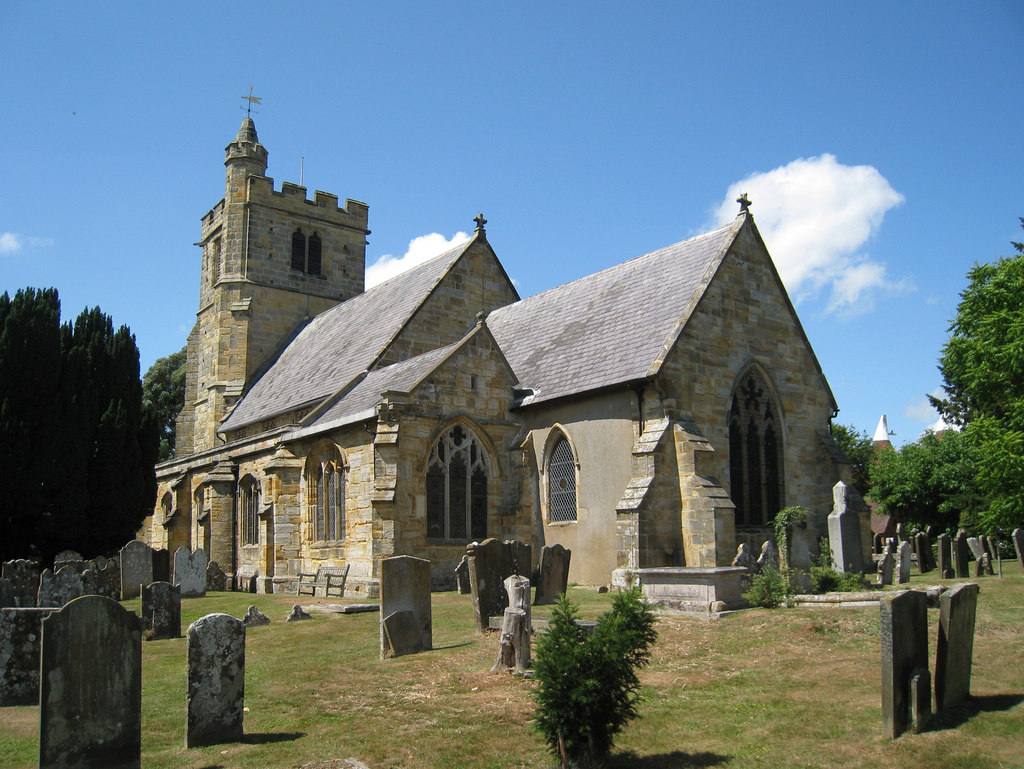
[
  {"x": 340, "y": 343},
  {"x": 613, "y": 326}
]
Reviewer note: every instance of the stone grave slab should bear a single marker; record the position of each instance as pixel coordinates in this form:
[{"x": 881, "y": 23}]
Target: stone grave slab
[
  {"x": 955, "y": 649},
  {"x": 90, "y": 686},
  {"x": 215, "y": 698},
  {"x": 66, "y": 585},
  {"x": 136, "y": 568},
  {"x": 553, "y": 573},
  {"x": 190, "y": 572},
  {"x": 904, "y": 632},
  {"x": 406, "y": 623},
  {"x": 161, "y": 611}
]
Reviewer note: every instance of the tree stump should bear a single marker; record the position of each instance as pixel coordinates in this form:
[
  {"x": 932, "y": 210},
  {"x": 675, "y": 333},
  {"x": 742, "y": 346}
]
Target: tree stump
[{"x": 514, "y": 647}]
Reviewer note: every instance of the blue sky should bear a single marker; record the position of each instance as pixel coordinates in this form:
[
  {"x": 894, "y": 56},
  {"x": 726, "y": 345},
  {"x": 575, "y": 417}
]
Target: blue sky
[{"x": 881, "y": 144}]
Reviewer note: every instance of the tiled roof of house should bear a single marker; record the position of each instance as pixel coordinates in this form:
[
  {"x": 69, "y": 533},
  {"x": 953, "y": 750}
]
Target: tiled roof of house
[
  {"x": 612, "y": 327},
  {"x": 339, "y": 343}
]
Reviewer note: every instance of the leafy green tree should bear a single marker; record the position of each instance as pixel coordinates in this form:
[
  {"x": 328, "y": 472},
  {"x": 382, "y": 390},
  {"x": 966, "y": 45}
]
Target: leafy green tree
[
  {"x": 933, "y": 481},
  {"x": 982, "y": 366},
  {"x": 588, "y": 687},
  {"x": 163, "y": 389},
  {"x": 859, "y": 448}
]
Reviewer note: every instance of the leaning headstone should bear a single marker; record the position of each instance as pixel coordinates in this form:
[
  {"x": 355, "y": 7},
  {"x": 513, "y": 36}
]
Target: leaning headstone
[
  {"x": 490, "y": 562},
  {"x": 24, "y": 577},
  {"x": 405, "y": 613},
  {"x": 769, "y": 557},
  {"x": 216, "y": 579},
  {"x": 961, "y": 559},
  {"x": 904, "y": 561},
  {"x": 955, "y": 649},
  {"x": 462, "y": 576},
  {"x": 553, "y": 572},
  {"x": 136, "y": 568},
  {"x": 90, "y": 686},
  {"x": 982, "y": 566},
  {"x": 844, "y": 536},
  {"x": 190, "y": 572},
  {"x": 215, "y": 700},
  {"x": 298, "y": 613},
  {"x": 991, "y": 545},
  {"x": 977, "y": 549},
  {"x": 20, "y": 635},
  {"x": 904, "y": 631},
  {"x": 161, "y": 611},
  {"x": 66, "y": 585},
  {"x": 254, "y": 617},
  {"x": 886, "y": 566},
  {"x": 1018, "y": 545}
]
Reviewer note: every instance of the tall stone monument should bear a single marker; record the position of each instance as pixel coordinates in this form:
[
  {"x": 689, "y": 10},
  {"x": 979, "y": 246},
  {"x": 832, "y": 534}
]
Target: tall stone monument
[
  {"x": 844, "y": 529},
  {"x": 955, "y": 649},
  {"x": 215, "y": 699}
]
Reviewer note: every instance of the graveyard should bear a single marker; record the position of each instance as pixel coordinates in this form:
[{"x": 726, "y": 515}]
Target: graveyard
[{"x": 797, "y": 687}]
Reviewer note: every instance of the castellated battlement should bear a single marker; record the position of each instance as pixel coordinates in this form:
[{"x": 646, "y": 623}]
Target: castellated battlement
[{"x": 324, "y": 205}]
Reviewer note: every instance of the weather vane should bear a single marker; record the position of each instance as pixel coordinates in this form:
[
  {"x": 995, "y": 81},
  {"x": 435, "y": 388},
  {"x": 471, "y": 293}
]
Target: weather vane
[{"x": 252, "y": 100}]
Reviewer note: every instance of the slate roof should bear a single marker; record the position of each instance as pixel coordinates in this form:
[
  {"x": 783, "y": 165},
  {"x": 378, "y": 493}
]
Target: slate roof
[
  {"x": 340, "y": 343},
  {"x": 612, "y": 327}
]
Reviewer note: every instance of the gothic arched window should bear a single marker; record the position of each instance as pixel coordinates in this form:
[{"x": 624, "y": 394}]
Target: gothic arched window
[
  {"x": 561, "y": 472},
  {"x": 298, "y": 251},
  {"x": 755, "y": 453},
  {"x": 457, "y": 487},
  {"x": 325, "y": 495},
  {"x": 248, "y": 510},
  {"x": 314, "y": 254}
]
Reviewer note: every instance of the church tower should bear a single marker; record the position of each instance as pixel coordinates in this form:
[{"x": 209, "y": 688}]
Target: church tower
[{"x": 270, "y": 262}]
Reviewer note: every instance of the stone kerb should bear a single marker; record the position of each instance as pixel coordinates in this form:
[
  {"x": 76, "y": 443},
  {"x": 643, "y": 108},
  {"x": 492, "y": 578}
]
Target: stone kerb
[
  {"x": 553, "y": 574},
  {"x": 490, "y": 563},
  {"x": 90, "y": 686},
  {"x": 20, "y": 636},
  {"x": 161, "y": 611},
  {"x": 904, "y": 632},
  {"x": 406, "y": 625},
  {"x": 24, "y": 578},
  {"x": 844, "y": 533},
  {"x": 955, "y": 649},
  {"x": 136, "y": 568},
  {"x": 215, "y": 699},
  {"x": 190, "y": 572}
]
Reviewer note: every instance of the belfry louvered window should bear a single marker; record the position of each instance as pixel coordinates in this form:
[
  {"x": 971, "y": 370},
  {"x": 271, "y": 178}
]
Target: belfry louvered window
[
  {"x": 561, "y": 482},
  {"x": 755, "y": 453},
  {"x": 325, "y": 496},
  {"x": 298, "y": 251},
  {"x": 248, "y": 510},
  {"x": 307, "y": 255},
  {"x": 457, "y": 487}
]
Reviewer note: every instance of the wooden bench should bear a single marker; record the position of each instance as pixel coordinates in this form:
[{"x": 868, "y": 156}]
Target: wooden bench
[{"x": 328, "y": 577}]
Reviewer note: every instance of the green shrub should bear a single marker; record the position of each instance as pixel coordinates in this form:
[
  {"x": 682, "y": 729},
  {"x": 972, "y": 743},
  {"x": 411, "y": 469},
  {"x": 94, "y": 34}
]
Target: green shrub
[
  {"x": 825, "y": 579},
  {"x": 588, "y": 687},
  {"x": 768, "y": 589}
]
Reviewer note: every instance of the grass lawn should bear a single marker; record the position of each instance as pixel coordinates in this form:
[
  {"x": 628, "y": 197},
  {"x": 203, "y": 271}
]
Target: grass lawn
[{"x": 758, "y": 688}]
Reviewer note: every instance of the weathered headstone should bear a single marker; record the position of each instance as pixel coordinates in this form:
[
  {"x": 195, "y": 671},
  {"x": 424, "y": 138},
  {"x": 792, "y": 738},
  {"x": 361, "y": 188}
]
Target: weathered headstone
[
  {"x": 769, "y": 557},
  {"x": 297, "y": 613},
  {"x": 24, "y": 577},
  {"x": 991, "y": 545},
  {"x": 462, "y": 576},
  {"x": 105, "y": 577},
  {"x": 553, "y": 572},
  {"x": 923, "y": 549},
  {"x": 490, "y": 562},
  {"x": 66, "y": 555},
  {"x": 961, "y": 559},
  {"x": 406, "y": 625},
  {"x": 161, "y": 611},
  {"x": 903, "y": 561},
  {"x": 66, "y": 585},
  {"x": 190, "y": 572},
  {"x": 886, "y": 566},
  {"x": 977, "y": 549},
  {"x": 90, "y": 686},
  {"x": 904, "y": 631},
  {"x": 1018, "y": 545},
  {"x": 920, "y": 700},
  {"x": 20, "y": 636},
  {"x": 7, "y": 598},
  {"x": 254, "y": 617},
  {"x": 215, "y": 700},
  {"x": 955, "y": 649},
  {"x": 136, "y": 568},
  {"x": 216, "y": 579},
  {"x": 945, "y": 557},
  {"x": 844, "y": 529}
]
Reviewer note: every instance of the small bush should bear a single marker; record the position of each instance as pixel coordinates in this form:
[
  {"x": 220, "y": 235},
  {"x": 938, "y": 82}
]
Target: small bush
[
  {"x": 768, "y": 589},
  {"x": 825, "y": 579}
]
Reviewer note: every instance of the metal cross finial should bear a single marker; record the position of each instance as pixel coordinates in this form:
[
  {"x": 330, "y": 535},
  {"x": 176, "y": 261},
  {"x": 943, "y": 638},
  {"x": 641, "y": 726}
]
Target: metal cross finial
[
  {"x": 744, "y": 202},
  {"x": 252, "y": 100},
  {"x": 480, "y": 222}
]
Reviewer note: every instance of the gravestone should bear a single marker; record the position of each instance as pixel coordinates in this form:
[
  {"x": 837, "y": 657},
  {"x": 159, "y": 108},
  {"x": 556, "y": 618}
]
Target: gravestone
[
  {"x": 66, "y": 555},
  {"x": 56, "y": 590},
  {"x": 254, "y": 617},
  {"x": 90, "y": 686},
  {"x": 136, "y": 568},
  {"x": 162, "y": 565},
  {"x": 298, "y": 613},
  {"x": 20, "y": 635},
  {"x": 977, "y": 549},
  {"x": 7, "y": 598},
  {"x": 920, "y": 700},
  {"x": 991, "y": 545},
  {"x": 904, "y": 631},
  {"x": 886, "y": 566},
  {"x": 190, "y": 572},
  {"x": 961, "y": 559},
  {"x": 945, "y": 558},
  {"x": 769, "y": 557},
  {"x": 955, "y": 648},
  {"x": 1018, "y": 545},
  {"x": 923, "y": 548},
  {"x": 490, "y": 563},
  {"x": 462, "y": 576},
  {"x": 215, "y": 699},
  {"x": 844, "y": 529},
  {"x": 216, "y": 579},
  {"x": 904, "y": 561},
  {"x": 24, "y": 578},
  {"x": 245, "y": 579},
  {"x": 105, "y": 576},
  {"x": 406, "y": 625},
  {"x": 161, "y": 611},
  {"x": 553, "y": 572}
]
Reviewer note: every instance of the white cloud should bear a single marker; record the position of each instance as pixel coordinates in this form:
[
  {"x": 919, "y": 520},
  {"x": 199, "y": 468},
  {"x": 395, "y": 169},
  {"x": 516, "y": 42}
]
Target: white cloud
[
  {"x": 421, "y": 249},
  {"x": 9, "y": 243},
  {"x": 921, "y": 410},
  {"x": 814, "y": 215}
]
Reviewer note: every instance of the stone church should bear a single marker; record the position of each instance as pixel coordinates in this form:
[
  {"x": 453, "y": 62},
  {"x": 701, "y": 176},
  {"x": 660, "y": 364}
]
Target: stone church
[{"x": 652, "y": 415}]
